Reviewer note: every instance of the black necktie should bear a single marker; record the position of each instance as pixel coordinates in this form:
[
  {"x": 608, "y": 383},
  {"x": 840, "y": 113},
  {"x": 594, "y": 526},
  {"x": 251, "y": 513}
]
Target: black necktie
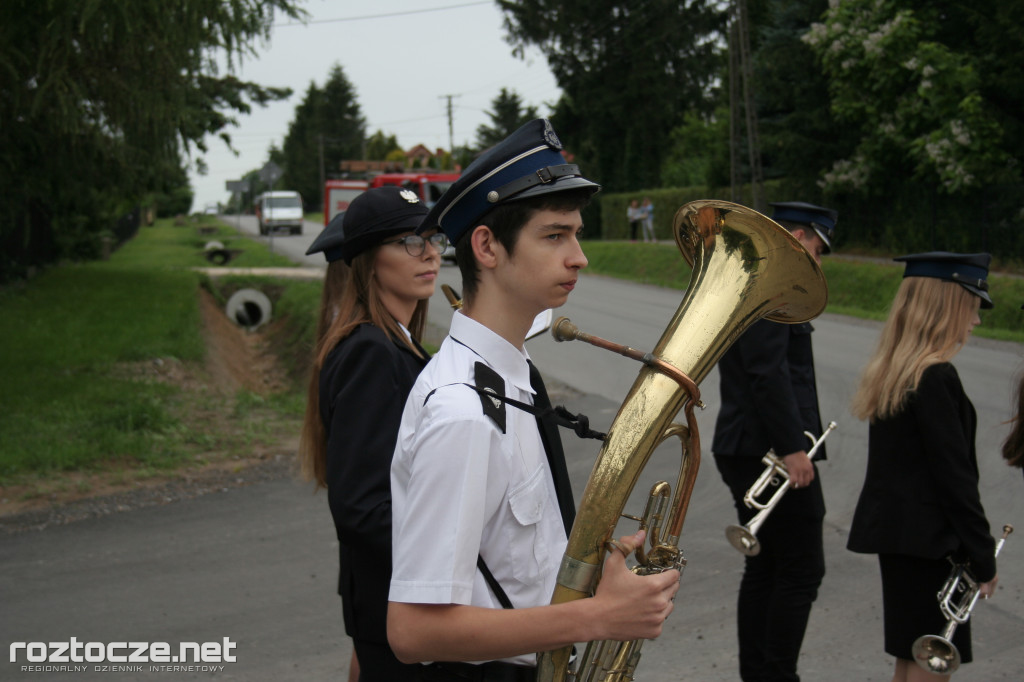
[{"x": 553, "y": 448}]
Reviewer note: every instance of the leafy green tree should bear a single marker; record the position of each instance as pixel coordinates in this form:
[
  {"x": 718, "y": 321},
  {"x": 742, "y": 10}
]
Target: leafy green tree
[
  {"x": 698, "y": 152},
  {"x": 931, "y": 95},
  {"x": 629, "y": 72},
  {"x": 507, "y": 115},
  {"x": 379, "y": 146},
  {"x": 99, "y": 102},
  {"x": 917, "y": 102}
]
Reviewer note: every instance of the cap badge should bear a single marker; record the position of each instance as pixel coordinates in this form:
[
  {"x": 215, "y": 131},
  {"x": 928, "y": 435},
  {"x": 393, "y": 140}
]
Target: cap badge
[
  {"x": 409, "y": 196},
  {"x": 550, "y": 137}
]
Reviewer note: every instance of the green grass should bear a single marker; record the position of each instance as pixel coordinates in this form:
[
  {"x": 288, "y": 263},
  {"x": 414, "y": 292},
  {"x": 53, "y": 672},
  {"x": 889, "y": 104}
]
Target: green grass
[
  {"x": 79, "y": 344},
  {"x": 168, "y": 246},
  {"x": 62, "y": 340},
  {"x": 857, "y": 287}
]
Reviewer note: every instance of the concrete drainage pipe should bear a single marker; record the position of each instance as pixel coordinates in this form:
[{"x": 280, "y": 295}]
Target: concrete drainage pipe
[{"x": 250, "y": 308}]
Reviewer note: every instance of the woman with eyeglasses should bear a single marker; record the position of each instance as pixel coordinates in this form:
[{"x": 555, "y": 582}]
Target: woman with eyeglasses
[{"x": 380, "y": 276}]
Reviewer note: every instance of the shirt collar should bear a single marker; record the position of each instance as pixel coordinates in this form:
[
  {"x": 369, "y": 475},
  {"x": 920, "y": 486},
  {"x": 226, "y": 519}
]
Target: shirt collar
[{"x": 502, "y": 356}]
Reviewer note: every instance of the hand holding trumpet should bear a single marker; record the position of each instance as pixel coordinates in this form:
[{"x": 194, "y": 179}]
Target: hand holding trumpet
[
  {"x": 795, "y": 470},
  {"x": 801, "y": 471}
]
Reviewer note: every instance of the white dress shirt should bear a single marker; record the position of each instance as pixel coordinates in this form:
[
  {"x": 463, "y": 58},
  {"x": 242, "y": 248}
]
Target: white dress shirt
[{"x": 460, "y": 487}]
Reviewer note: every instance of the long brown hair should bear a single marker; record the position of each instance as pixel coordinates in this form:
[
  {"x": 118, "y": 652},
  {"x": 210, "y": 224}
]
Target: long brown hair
[
  {"x": 351, "y": 297},
  {"x": 927, "y": 325}
]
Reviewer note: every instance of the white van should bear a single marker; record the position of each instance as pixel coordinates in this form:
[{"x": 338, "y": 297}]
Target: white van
[{"x": 278, "y": 211}]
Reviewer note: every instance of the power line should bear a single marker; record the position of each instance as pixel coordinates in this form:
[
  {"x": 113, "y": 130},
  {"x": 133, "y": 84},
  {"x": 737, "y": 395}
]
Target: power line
[{"x": 385, "y": 16}]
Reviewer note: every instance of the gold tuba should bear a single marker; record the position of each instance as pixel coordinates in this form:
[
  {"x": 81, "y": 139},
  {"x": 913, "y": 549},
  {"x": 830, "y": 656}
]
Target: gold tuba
[{"x": 745, "y": 267}]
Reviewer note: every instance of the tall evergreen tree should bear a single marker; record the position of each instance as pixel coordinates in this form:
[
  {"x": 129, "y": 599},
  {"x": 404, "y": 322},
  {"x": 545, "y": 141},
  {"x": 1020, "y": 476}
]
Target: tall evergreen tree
[
  {"x": 328, "y": 128},
  {"x": 629, "y": 72},
  {"x": 799, "y": 136},
  {"x": 507, "y": 115}
]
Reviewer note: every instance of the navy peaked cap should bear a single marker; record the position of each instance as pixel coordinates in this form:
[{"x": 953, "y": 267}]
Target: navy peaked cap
[
  {"x": 329, "y": 241},
  {"x": 821, "y": 219},
  {"x": 372, "y": 217},
  {"x": 527, "y": 163},
  {"x": 969, "y": 270}
]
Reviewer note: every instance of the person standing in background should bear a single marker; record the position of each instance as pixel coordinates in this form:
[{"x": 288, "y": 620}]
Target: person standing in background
[
  {"x": 635, "y": 217},
  {"x": 647, "y": 213},
  {"x": 769, "y": 399}
]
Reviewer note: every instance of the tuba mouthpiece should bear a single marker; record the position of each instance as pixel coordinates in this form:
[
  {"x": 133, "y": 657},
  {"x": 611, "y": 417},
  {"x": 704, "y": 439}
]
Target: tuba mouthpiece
[{"x": 564, "y": 330}]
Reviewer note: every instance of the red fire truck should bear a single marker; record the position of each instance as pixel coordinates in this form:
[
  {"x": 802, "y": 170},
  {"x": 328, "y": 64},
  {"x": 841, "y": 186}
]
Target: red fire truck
[
  {"x": 429, "y": 186},
  {"x": 338, "y": 194}
]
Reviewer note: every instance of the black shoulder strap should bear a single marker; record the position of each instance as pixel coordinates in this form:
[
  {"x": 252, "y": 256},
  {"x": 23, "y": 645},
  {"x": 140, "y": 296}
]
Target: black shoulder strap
[
  {"x": 578, "y": 423},
  {"x": 493, "y": 583}
]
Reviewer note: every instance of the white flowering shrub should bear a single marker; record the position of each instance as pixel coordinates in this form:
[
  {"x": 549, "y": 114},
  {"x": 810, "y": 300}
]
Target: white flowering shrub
[{"x": 915, "y": 102}]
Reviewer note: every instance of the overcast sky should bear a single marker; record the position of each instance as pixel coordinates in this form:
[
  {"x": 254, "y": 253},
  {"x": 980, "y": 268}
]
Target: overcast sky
[{"x": 403, "y": 61}]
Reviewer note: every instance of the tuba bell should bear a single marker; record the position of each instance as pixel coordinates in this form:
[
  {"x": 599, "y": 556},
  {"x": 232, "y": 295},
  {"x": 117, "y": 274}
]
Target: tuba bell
[{"x": 745, "y": 267}]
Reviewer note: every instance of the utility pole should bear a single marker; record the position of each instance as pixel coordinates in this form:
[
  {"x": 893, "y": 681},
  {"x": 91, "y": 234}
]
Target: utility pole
[
  {"x": 741, "y": 75},
  {"x": 320, "y": 147},
  {"x": 451, "y": 133}
]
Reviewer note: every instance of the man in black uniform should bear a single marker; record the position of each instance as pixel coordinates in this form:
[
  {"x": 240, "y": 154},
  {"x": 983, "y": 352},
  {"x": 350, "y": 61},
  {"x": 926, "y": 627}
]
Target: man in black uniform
[{"x": 769, "y": 399}]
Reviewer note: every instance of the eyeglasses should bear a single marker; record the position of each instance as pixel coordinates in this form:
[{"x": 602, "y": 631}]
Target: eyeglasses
[{"x": 415, "y": 244}]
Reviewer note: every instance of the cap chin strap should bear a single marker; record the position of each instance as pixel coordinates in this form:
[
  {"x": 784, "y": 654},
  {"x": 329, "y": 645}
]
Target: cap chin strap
[
  {"x": 976, "y": 283},
  {"x": 541, "y": 176}
]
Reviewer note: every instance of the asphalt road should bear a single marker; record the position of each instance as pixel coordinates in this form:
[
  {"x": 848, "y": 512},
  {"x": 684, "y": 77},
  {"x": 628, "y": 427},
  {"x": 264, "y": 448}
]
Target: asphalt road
[{"x": 257, "y": 564}]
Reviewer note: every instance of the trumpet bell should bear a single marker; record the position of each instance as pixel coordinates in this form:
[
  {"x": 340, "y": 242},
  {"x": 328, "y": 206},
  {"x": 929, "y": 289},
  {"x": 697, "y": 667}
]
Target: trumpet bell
[
  {"x": 936, "y": 654},
  {"x": 743, "y": 540}
]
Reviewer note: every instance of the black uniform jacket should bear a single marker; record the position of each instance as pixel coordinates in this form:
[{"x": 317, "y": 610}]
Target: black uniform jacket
[
  {"x": 363, "y": 386},
  {"x": 768, "y": 392},
  {"x": 920, "y": 495}
]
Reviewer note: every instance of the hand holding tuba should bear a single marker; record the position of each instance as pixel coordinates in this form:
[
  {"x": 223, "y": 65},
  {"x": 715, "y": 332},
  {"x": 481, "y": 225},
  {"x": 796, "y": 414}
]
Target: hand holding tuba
[
  {"x": 744, "y": 538},
  {"x": 937, "y": 653}
]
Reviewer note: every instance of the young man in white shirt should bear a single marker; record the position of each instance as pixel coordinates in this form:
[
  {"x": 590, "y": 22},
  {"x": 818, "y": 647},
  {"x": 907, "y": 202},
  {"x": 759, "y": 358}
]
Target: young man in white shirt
[{"x": 479, "y": 528}]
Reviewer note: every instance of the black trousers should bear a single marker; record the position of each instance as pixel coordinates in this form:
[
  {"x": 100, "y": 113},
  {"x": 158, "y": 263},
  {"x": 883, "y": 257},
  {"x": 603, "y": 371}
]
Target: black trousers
[{"x": 781, "y": 582}]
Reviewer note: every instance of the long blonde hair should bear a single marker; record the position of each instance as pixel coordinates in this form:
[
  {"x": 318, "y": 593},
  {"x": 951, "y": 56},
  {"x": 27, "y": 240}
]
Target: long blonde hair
[
  {"x": 351, "y": 297},
  {"x": 927, "y": 324}
]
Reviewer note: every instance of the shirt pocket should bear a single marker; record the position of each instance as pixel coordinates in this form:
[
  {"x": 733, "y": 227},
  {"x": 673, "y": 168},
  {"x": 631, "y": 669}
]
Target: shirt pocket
[{"x": 528, "y": 504}]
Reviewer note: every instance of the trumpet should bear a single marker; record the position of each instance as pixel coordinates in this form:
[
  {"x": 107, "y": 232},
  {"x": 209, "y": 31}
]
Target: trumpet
[
  {"x": 937, "y": 653},
  {"x": 744, "y": 538}
]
